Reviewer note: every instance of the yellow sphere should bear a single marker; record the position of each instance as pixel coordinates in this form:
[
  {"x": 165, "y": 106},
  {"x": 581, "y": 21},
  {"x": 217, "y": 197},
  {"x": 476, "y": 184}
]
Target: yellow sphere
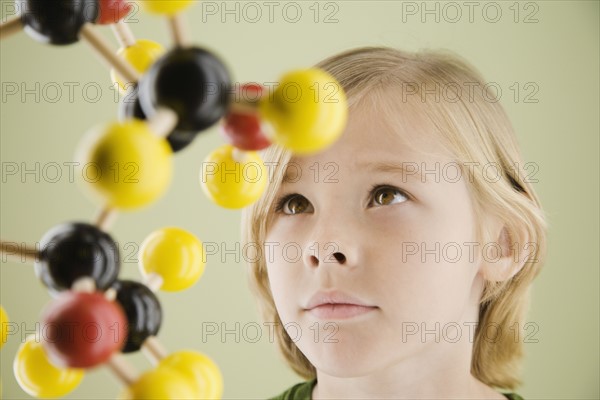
[
  {"x": 160, "y": 383},
  {"x": 168, "y": 7},
  {"x": 200, "y": 369},
  {"x": 125, "y": 164},
  {"x": 230, "y": 183},
  {"x": 141, "y": 55},
  {"x": 307, "y": 111},
  {"x": 38, "y": 377},
  {"x": 4, "y": 321},
  {"x": 174, "y": 254}
]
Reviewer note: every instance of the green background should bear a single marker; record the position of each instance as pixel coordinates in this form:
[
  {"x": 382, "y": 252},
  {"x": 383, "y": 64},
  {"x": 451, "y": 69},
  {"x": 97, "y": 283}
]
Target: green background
[{"x": 553, "y": 58}]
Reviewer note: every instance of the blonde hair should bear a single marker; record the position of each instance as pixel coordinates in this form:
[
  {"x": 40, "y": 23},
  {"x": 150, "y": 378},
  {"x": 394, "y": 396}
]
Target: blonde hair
[{"x": 478, "y": 131}]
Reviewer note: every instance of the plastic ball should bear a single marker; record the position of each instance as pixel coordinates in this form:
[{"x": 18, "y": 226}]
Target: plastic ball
[
  {"x": 190, "y": 81},
  {"x": 74, "y": 250},
  {"x": 308, "y": 111},
  {"x": 244, "y": 131},
  {"x": 140, "y": 55},
  {"x": 82, "y": 330},
  {"x": 130, "y": 107},
  {"x": 160, "y": 383},
  {"x": 167, "y": 7},
  {"x": 4, "y": 321},
  {"x": 250, "y": 92},
  {"x": 179, "y": 140},
  {"x": 57, "y": 22},
  {"x": 199, "y": 369},
  {"x": 112, "y": 11},
  {"x": 125, "y": 164},
  {"x": 38, "y": 377},
  {"x": 174, "y": 254},
  {"x": 143, "y": 311},
  {"x": 230, "y": 183}
]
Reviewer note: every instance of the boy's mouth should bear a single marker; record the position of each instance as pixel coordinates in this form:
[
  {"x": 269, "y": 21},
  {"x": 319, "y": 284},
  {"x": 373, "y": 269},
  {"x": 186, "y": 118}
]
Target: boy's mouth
[{"x": 337, "y": 305}]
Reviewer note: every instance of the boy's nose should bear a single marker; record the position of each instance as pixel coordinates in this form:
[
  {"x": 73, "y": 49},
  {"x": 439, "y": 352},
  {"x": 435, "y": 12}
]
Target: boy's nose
[
  {"x": 333, "y": 238},
  {"x": 337, "y": 257}
]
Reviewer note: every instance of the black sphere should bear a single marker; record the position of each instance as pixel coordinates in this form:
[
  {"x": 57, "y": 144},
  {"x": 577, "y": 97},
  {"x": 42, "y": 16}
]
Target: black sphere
[
  {"x": 179, "y": 140},
  {"x": 190, "y": 81},
  {"x": 130, "y": 107},
  {"x": 74, "y": 250},
  {"x": 56, "y": 21},
  {"x": 143, "y": 311}
]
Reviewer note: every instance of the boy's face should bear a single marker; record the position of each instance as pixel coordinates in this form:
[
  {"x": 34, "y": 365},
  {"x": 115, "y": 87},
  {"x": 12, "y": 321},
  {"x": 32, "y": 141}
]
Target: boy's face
[{"x": 405, "y": 251}]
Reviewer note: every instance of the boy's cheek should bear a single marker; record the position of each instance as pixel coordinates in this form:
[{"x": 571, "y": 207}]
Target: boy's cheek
[{"x": 283, "y": 279}]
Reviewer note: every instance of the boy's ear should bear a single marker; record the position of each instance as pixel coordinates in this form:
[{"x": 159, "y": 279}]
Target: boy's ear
[{"x": 503, "y": 266}]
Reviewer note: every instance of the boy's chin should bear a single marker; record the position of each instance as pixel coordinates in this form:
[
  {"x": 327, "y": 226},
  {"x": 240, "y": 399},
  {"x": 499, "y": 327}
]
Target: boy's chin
[{"x": 343, "y": 363}]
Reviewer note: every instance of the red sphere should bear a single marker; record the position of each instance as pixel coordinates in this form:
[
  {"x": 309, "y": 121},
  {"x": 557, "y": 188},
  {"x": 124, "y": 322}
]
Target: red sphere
[
  {"x": 251, "y": 91},
  {"x": 111, "y": 11},
  {"x": 82, "y": 330},
  {"x": 244, "y": 131}
]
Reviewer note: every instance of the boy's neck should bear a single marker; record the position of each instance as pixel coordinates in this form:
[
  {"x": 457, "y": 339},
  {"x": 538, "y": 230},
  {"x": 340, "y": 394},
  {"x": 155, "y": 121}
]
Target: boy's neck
[{"x": 433, "y": 376}]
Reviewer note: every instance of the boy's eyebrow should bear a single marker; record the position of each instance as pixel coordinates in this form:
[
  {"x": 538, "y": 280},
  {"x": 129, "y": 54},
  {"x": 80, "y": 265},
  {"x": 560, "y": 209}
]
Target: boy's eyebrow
[
  {"x": 409, "y": 169},
  {"x": 288, "y": 176}
]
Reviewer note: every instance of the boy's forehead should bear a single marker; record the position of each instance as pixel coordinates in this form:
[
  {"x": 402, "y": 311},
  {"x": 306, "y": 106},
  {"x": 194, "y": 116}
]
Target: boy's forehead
[{"x": 374, "y": 135}]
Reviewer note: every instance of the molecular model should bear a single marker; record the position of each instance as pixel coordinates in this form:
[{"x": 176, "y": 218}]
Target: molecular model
[{"x": 171, "y": 97}]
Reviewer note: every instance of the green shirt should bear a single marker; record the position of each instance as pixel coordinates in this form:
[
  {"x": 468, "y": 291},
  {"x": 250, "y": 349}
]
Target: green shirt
[{"x": 303, "y": 391}]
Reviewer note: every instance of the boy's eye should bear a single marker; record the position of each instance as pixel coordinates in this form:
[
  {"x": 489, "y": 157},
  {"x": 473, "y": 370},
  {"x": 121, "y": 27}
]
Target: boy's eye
[
  {"x": 386, "y": 195},
  {"x": 382, "y": 195},
  {"x": 293, "y": 204}
]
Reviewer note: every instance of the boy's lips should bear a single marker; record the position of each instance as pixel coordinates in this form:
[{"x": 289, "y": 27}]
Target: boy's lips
[{"x": 336, "y": 304}]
